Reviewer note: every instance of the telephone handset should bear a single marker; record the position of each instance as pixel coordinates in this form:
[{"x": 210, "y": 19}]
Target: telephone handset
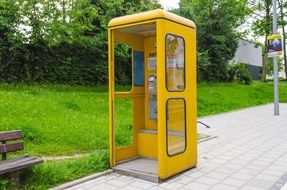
[
  {"x": 152, "y": 85},
  {"x": 152, "y": 90}
]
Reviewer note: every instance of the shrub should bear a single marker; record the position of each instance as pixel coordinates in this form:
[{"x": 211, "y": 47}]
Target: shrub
[
  {"x": 203, "y": 67},
  {"x": 238, "y": 72}
]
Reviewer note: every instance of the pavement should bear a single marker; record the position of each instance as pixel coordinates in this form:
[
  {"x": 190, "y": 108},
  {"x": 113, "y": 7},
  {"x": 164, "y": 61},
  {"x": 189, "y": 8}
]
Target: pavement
[{"x": 249, "y": 153}]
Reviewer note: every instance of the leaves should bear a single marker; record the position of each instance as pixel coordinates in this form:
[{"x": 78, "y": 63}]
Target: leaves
[
  {"x": 61, "y": 41},
  {"x": 217, "y": 21}
]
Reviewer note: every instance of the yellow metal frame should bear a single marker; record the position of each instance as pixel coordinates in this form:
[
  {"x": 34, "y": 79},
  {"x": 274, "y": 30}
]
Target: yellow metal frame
[{"x": 155, "y": 145}]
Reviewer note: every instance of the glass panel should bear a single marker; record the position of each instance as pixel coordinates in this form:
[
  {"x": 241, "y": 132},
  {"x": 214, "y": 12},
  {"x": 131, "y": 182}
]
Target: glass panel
[
  {"x": 176, "y": 134},
  {"x": 123, "y": 122},
  {"x": 175, "y": 63},
  {"x": 123, "y": 67}
]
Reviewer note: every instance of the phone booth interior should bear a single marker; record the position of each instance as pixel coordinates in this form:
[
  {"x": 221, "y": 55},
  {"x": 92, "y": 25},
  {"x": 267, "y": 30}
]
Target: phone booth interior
[{"x": 162, "y": 97}]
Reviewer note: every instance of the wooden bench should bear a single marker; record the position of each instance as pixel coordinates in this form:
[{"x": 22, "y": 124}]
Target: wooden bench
[{"x": 11, "y": 142}]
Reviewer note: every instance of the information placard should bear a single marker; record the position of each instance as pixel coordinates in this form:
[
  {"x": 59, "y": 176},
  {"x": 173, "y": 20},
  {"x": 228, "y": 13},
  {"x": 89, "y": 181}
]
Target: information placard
[{"x": 274, "y": 46}]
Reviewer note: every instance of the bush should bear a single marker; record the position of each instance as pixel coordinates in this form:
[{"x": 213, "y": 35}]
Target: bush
[
  {"x": 63, "y": 63},
  {"x": 238, "y": 72},
  {"x": 203, "y": 67}
]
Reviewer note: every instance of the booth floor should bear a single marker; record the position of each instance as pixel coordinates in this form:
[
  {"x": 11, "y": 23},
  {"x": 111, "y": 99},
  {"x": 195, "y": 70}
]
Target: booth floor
[
  {"x": 249, "y": 153},
  {"x": 142, "y": 168}
]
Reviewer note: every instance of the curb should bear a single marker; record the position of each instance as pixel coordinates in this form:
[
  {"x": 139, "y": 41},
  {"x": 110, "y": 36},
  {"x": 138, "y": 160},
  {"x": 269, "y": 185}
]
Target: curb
[
  {"x": 81, "y": 180},
  {"x": 236, "y": 110},
  {"x": 97, "y": 175},
  {"x": 206, "y": 139}
]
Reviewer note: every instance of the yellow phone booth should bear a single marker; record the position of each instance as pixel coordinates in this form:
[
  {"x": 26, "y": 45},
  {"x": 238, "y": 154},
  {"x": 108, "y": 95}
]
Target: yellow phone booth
[{"x": 163, "y": 95}]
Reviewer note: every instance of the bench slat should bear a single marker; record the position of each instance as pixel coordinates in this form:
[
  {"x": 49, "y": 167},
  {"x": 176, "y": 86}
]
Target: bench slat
[
  {"x": 10, "y": 135},
  {"x": 13, "y": 159},
  {"x": 19, "y": 165},
  {"x": 11, "y": 147}
]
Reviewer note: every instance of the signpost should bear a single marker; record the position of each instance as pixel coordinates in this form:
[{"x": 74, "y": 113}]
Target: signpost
[{"x": 275, "y": 64}]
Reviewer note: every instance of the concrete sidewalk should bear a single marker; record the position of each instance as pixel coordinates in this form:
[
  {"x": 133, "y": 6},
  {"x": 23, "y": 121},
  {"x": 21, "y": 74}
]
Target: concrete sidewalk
[{"x": 249, "y": 153}]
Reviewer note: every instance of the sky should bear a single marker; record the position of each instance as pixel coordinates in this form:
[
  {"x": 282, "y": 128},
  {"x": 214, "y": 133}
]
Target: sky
[{"x": 169, "y": 4}]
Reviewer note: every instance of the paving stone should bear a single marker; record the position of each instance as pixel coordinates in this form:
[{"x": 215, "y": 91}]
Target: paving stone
[
  {"x": 171, "y": 185},
  {"x": 207, "y": 180},
  {"x": 196, "y": 175},
  {"x": 239, "y": 162},
  {"x": 223, "y": 187},
  {"x": 233, "y": 166},
  {"x": 216, "y": 175},
  {"x": 130, "y": 187},
  {"x": 225, "y": 170},
  {"x": 157, "y": 188},
  {"x": 77, "y": 188},
  {"x": 261, "y": 183},
  {"x": 197, "y": 186},
  {"x": 273, "y": 172},
  {"x": 242, "y": 176},
  {"x": 116, "y": 183},
  {"x": 249, "y": 171},
  {"x": 185, "y": 180},
  {"x": 267, "y": 177},
  {"x": 277, "y": 168},
  {"x": 143, "y": 184},
  {"x": 249, "y": 187},
  {"x": 234, "y": 182},
  {"x": 104, "y": 187}
]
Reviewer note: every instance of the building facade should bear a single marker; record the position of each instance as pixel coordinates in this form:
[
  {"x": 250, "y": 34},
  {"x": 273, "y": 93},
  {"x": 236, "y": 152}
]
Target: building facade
[{"x": 250, "y": 54}]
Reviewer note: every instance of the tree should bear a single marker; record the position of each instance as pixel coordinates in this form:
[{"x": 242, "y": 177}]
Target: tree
[
  {"x": 57, "y": 21},
  {"x": 282, "y": 22},
  {"x": 108, "y": 9},
  {"x": 61, "y": 41},
  {"x": 10, "y": 37},
  {"x": 217, "y": 38},
  {"x": 262, "y": 26}
]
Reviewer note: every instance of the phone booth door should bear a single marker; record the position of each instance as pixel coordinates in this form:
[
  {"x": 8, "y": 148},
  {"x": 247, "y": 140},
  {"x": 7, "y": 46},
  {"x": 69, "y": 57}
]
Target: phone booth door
[{"x": 177, "y": 98}]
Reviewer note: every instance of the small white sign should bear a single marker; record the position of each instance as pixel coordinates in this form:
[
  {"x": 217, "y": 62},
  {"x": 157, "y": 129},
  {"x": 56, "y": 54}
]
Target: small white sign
[{"x": 152, "y": 63}]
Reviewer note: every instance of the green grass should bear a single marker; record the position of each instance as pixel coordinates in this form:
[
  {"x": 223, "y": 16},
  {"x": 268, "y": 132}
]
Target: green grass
[
  {"x": 66, "y": 120},
  {"x": 56, "y": 120},
  {"x": 47, "y": 175},
  {"x": 223, "y": 97},
  {"x": 54, "y": 172}
]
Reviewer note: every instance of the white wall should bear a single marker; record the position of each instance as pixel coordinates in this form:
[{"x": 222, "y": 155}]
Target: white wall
[{"x": 247, "y": 53}]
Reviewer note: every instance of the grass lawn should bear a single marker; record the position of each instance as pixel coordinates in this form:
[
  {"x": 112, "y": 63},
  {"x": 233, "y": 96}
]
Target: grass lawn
[
  {"x": 223, "y": 97},
  {"x": 66, "y": 120}
]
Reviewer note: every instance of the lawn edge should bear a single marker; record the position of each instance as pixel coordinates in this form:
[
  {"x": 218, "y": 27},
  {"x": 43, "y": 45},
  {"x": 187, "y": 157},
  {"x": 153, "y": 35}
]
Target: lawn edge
[
  {"x": 235, "y": 110},
  {"x": 99, "y": 174},
  {"x": 82, "y": 180},
  {"x": 207, "y": 139}
]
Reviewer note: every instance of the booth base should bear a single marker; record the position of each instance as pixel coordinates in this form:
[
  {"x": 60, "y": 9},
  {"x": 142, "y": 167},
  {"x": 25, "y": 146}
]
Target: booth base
[{"x": 142, "y": 168}]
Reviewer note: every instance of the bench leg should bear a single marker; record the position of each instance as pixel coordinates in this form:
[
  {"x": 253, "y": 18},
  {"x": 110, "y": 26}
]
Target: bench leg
[{"x": 14, "y": 177}]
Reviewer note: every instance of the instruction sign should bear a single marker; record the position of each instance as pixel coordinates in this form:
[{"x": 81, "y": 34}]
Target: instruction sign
[{"x": 152, "y": 63}]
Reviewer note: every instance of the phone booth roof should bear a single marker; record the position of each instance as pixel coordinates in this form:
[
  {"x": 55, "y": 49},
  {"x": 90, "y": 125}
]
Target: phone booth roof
[{"x": 150, "y": 15}]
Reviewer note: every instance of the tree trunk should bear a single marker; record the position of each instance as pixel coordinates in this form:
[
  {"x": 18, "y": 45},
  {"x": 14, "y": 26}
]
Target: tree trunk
[
  {"x": 265, "y": 61},
  {"x": 267, "y": 32},
  {"x": 64, "y": 10},
  {"x": 284, "y": 53},
  {"x": 283, "y": 32}
]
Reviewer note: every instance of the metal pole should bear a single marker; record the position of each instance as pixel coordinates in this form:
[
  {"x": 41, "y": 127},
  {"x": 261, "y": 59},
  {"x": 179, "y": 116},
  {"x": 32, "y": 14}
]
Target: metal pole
[{"x": 275, "y": 65}]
